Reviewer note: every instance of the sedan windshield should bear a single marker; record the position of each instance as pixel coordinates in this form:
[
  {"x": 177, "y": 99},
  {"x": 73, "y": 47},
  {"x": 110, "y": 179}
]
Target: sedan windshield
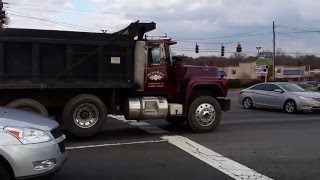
[{"x": 292, "y": 87}]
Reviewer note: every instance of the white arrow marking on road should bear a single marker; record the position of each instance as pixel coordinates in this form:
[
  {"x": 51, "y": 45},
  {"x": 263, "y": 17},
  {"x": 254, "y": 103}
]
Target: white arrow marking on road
[{"x": 221, "y": 163}]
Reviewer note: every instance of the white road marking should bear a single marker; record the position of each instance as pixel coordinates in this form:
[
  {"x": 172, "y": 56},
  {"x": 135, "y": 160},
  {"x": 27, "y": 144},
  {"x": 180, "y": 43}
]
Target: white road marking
[
  {"x": 142, "y": 125},
  {"x": 242, "y": 120},
  {"x": 114, "y": 144},
  {"x": 229, "y": 167}
]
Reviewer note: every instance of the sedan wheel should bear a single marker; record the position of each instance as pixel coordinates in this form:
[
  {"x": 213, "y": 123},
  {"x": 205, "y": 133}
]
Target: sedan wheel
[
  {"x": 290, "y": 106},
  {"x": 247, "y": 103},
  {"x": 4, "y": 172}
]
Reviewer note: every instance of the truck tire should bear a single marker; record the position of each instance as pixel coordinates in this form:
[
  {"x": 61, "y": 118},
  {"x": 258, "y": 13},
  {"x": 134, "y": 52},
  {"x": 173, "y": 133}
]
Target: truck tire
[
  {"x": 28, "y": 105},
  {"x": 204, "y": 114},
  {"x": 4, "y": 172},
  {"x": 84, "y": 115}
]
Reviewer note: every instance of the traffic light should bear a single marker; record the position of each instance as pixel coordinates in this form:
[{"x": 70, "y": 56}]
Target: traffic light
[
  {"x": 197, "y": 48},
  {"x": 3, "y": 17},
  {"x": 239, "y": 48},
  {"x": 222, "y": 51}
]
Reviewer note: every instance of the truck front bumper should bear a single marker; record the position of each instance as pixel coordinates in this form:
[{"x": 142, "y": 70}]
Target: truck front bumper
[{"x": 225, "y": 103}]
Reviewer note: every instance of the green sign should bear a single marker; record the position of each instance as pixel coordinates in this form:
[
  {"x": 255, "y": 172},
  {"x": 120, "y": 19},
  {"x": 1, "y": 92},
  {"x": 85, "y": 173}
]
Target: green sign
[{"x": 265, "y": 61}]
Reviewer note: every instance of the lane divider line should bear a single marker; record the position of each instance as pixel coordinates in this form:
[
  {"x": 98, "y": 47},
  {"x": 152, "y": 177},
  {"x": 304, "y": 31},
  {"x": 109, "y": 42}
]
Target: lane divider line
[
  {"x": 227, "y": 166},
  {"x": 114, "y": 144}
]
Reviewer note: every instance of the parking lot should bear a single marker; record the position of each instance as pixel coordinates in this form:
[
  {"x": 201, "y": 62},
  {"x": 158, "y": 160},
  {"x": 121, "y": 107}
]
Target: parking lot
[{"x": 248, "y": 144}]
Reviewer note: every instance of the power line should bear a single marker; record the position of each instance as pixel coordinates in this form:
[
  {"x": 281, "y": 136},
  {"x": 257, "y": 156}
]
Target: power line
[
  {"x": 54, "y": 22},
  {"x": 227, "y": 36},
  {"x": 298, "y": 32},
  {"x": 296, "y": 37},
  {"x": 74, "y": 11},
  {"x": 193, "y": 42},
  {"x": 247, "y": 51},
  {"x": 194, "y": 21},
  {"x": 244, "y": 34},
  {"x": 298, "y": 28}
]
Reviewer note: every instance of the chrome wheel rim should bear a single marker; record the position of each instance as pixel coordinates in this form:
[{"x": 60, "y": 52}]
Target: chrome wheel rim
[
  {"x": 247, "y": 103},
  {"x": 86, "y": 115},
  {"x": 290, "y": 107},
  {"x": 205, "y": 114}
]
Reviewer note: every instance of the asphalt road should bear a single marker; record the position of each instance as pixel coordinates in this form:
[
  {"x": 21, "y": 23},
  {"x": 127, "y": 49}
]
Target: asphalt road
[{"x": 273, "y": 144}]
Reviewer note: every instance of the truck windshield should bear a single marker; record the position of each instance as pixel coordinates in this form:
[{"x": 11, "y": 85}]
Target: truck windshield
[
  {"x": 170, "y": 54},
  {"x": 155, "y": 55}
]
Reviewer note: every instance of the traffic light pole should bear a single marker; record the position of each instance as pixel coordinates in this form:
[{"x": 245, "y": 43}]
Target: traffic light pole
[
  {"x": 1, "y": 9},
  {"x": 274, "y": 51}
]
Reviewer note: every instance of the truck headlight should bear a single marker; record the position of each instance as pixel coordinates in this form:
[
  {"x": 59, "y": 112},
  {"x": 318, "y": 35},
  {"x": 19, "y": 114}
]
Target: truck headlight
[
  {"x": 305, "y": 99},
  {"x": 28, "y": 135}
]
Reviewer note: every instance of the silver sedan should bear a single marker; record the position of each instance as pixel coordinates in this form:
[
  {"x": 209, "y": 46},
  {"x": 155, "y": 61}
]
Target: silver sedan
[
  {"x": 30, "y": 145},
  {"x": 279, "y": 95}
]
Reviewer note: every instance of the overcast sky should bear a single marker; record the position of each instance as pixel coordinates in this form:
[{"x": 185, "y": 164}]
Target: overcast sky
[{"x": 206, "y": 22}]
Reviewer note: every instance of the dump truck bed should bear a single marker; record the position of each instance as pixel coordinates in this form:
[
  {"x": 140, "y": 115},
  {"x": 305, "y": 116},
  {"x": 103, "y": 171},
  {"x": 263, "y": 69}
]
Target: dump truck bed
[{"x": 63, "y": 59}]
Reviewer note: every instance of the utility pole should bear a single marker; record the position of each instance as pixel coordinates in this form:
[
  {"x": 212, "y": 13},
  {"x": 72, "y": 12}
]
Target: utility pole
[{"x": 274, "y": 51}]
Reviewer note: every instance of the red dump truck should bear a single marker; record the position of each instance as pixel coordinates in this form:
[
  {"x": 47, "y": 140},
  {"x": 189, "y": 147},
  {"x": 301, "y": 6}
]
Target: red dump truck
[{"x": 80, "y": 77}]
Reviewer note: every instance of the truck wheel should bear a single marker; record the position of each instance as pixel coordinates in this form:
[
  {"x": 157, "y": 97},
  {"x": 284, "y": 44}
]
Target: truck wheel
[
  {"x": 4, "y": 172},
  {"x": 84, "y": 115},
  {"x": 204, "y": 114},
  {"x": 28, "y": 105}
]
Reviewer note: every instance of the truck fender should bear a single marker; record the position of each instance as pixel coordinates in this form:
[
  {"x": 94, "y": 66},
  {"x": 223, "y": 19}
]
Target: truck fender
[{"x": 202, "y": 88}]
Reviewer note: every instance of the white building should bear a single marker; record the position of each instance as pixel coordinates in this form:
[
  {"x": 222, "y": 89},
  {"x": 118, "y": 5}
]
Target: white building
[{"x": 248, "y": 70}]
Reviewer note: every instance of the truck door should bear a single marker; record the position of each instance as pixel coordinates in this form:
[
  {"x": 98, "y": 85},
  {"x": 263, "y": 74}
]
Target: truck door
[{"x": 156, "y": 79}]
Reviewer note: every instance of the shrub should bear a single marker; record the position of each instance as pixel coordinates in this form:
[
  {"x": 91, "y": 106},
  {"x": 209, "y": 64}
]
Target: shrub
[
  {"x": 251, "y": 82},
  {"x": 234, "y": 83}
]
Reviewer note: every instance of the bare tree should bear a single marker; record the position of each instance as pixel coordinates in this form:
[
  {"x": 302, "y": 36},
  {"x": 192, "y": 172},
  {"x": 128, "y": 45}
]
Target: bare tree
[
  {"x": 239, "y": 56},
  {"x": 280, "y": 52}
]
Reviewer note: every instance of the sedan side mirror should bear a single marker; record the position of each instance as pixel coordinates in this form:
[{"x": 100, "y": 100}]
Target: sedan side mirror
[{"x": 278, "y": 91}]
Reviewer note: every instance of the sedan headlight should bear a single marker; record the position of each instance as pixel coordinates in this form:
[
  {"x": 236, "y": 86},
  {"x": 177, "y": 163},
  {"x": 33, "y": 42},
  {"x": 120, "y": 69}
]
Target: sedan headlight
[
  {"x": 305, "y": 99},
  {"x": 28, "y": 135}
]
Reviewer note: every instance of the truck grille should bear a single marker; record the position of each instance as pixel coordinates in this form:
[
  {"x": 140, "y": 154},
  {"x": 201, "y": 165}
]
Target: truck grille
[{"x": 56, "y": 133}]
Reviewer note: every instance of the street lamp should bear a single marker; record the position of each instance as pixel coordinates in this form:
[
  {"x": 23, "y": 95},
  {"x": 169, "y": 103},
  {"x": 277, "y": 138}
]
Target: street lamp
[{"x": 258, "y": 48}]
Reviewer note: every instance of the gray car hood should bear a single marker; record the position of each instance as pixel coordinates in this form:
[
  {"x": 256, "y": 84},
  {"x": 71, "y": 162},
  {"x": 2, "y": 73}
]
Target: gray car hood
[
  {"x": 308, "y": 94},
  {"x": 19, "y": 118}
]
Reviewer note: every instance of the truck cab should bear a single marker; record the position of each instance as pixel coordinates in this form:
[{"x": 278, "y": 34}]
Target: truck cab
[{"x": 192, "y": 94}]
